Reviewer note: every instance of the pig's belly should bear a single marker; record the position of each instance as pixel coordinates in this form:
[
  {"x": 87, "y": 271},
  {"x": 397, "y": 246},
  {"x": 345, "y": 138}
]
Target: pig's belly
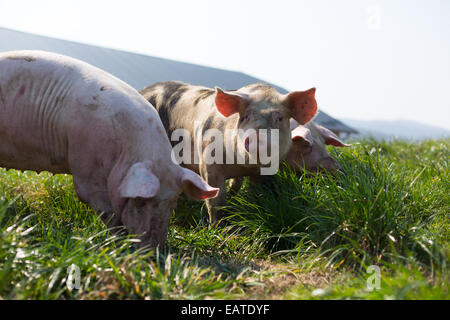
[{"x": 35, "y": 160}]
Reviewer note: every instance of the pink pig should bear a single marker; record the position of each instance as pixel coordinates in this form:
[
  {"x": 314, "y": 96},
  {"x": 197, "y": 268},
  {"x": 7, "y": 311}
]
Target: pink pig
[
  {"x": 307, "y": 151},
  {"x": 308, "y": 147},
  {"x": 62, "y": 115}
]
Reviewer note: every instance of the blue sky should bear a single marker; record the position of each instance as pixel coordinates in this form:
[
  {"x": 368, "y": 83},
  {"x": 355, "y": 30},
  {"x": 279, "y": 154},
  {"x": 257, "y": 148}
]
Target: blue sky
[{"x": 374, "y": 59}]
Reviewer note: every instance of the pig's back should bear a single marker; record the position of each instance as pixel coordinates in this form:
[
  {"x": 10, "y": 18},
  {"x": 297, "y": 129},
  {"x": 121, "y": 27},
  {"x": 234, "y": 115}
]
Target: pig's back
[
  {"x": 181, "y": 105},
  {"x": 42, "y": 95},
  {"x": 34, "y": 89}
]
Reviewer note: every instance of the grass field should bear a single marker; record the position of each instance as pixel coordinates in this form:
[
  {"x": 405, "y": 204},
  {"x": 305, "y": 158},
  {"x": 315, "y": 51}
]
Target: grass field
[{"x": 293, "y": 237}]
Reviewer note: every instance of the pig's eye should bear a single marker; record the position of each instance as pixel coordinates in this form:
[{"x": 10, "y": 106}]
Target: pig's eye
[
  {"x": 306, "y": 149},
  {"x": 244, "y": 118},
  {"x": 277, "y": 117}
]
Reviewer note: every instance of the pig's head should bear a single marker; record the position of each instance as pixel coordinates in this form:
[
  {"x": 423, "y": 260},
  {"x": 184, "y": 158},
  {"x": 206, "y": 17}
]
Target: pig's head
[
  {"x": 147, "y": 197},
  {"x": 260, "y": 106},
  {"x": 308, "y": 148}
]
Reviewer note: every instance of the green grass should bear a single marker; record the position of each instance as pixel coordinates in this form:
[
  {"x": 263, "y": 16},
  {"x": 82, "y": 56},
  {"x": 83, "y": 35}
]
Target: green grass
[{"x": 292, "y": 237}]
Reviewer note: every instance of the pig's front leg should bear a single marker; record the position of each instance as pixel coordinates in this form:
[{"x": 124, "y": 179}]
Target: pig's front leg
[
  {"x": 254, "y": 181},
  {"x": 213, "y": 177},
  {"x": 235, "y": 184},
  {"x": 91, "y": 189}
]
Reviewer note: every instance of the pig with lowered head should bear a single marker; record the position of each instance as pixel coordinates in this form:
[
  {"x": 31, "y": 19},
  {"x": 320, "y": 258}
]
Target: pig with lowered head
[
  {"x": 62, "y": 115},
  {"x": 199, "y": 110},
  {"x": 308, "y": 148}
]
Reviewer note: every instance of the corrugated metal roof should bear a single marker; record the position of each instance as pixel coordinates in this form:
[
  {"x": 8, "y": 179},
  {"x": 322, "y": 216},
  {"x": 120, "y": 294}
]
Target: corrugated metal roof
[{"x": 141, "y": 70}]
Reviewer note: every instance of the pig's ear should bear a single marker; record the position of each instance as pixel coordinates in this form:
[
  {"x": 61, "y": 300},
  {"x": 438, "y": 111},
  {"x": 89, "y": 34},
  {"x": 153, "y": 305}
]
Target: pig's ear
[
  {"x": 303, "y": 135},
  {"x": 228, "y": 103},
  {"x": 330, "y": 138},
  {"x": 302, "y": 104},
  {"x": 139, "y": 182},
  {"x": 195, "y": 187}
]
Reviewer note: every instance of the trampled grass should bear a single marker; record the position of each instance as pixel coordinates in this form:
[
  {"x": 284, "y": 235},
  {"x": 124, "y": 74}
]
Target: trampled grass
[{"x": 292, "y": 237}]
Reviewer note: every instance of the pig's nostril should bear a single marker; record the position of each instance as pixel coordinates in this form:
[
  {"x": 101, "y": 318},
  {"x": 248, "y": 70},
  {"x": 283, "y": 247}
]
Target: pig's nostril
[{"x": 247, "y": 144}]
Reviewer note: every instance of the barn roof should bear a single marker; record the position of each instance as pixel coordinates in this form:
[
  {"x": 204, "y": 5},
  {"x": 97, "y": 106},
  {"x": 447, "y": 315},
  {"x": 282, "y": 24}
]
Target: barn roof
[{"x": 140, "y": 70}]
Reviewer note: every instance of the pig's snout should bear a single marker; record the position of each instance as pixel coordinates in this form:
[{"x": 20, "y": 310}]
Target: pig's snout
[
  {"x": 256, "y": 140},
  {"x": 247, "y": 144},
  {"x": 154, "y": 239},
  {"x": 330, "y": 164},
  {"x": 148, "y": 220}
]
